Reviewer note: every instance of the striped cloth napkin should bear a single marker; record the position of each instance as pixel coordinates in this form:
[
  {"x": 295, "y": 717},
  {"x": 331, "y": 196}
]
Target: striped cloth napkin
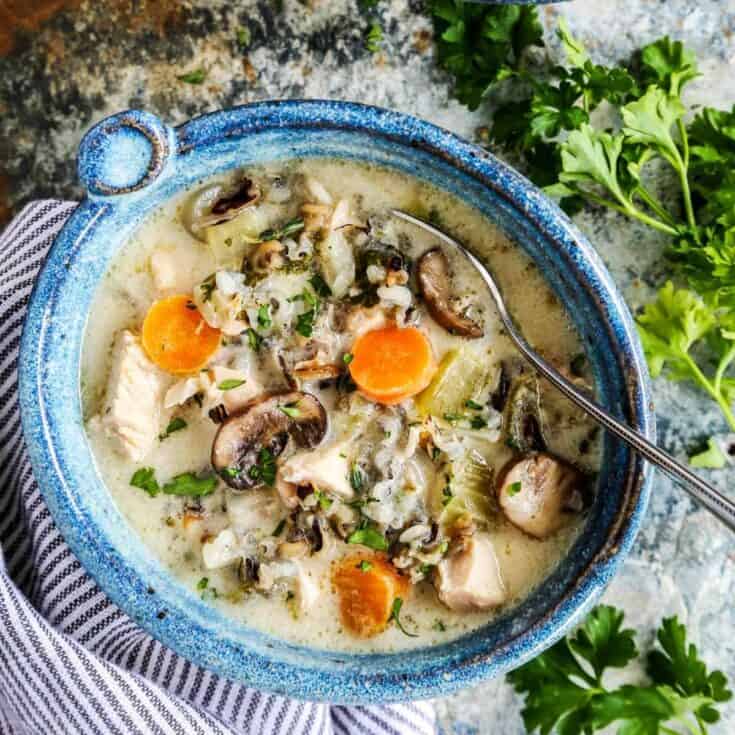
[{"x": 70, "y": 660}]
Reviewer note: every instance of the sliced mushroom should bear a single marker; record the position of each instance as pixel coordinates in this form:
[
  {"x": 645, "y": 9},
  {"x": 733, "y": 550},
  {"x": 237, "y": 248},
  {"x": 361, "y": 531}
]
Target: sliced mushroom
[
  {"x": 434, "y": 282},
  {"x": 523, "y": 420},
  {"x": 264, "y": 425},
  {"x": 539, "y": 494},
  {"x": 471, "y": 579},
  {"x": 229, "y": 204},
  {"x": 217, "y": 203}
]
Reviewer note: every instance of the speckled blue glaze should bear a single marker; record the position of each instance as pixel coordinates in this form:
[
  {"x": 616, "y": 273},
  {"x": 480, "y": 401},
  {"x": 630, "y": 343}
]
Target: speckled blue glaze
[{"x": 111, "y": 551}]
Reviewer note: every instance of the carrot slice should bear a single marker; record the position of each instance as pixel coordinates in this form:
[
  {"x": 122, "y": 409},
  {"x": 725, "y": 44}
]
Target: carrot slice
[
  {"x": 367, "y": 586},
  {"x": 176, "y": 337},
  {"x": 392, "y": 364}
]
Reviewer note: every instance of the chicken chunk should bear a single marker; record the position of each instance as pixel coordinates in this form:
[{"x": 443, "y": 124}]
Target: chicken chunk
[
  {"x": 540, "y": 494},
  {"x": 327, "y": 468},
  {"x": 135, "y": 387},
  {"x": 471, "y": 579},
  {"x": 223, "y": 550}
]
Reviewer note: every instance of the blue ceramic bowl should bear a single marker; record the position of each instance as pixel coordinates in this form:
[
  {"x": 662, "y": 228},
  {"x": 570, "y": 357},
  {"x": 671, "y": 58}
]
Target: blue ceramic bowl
[{"x": 130, "y": 164}]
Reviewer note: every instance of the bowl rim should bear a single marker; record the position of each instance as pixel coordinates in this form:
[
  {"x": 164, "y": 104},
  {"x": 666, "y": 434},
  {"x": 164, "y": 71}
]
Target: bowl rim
[{"x": 577, "y": 254}]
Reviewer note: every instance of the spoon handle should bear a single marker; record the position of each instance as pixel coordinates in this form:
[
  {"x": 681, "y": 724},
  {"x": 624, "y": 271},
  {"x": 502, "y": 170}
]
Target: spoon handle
[{"x": 719, "y": 505}]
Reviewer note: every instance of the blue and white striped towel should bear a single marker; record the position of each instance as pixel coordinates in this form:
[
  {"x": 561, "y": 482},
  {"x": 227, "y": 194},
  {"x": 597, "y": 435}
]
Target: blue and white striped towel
[{"x": 70, "y": 660}]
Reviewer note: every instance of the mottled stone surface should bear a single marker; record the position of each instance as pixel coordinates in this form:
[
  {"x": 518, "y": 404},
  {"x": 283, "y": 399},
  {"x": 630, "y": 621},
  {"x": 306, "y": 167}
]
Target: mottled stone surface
[{"x": 73, "y": 63}]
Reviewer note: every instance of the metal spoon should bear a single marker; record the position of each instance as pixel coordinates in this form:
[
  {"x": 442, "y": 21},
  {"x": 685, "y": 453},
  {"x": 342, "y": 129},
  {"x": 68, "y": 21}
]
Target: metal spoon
[{"x": 701, "y": 491}]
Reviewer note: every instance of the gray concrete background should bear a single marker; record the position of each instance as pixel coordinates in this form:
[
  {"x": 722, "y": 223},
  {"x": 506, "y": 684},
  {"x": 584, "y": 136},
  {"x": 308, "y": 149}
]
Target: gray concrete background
[{"x": 73, "y": 63}]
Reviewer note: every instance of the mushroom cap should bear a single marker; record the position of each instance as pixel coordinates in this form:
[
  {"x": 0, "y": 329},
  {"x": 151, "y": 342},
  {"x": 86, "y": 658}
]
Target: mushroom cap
[
  {"x": 263, "y": 424},
  {"x": 540, "y": 494},
  {"x": 433, "y": 278}
]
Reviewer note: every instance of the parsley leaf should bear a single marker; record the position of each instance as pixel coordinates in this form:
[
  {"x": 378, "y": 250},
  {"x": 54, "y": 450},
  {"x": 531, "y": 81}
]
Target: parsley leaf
[
  {"x": 305, "y": 323},
  {"x": 193, "y": 77},
  {"x": 145, "y": 479},
  {"x": 176, "y": 424},
  {"x": 374, "y": 38},
  {"x": 672, "y": 326},
  {"x": 711, "y": 458},
  {"x": 395, "y": 612},
  {"x": 368, "y": 537},
  {"x": 230, "y": 384},
  {"x": 264, "y": 469},
  {"x": 264, "y": 317},
  {"x": 563, "y": 694},
  {"x": 190, "y": 485},
  {"x": 482, "y": 45}
]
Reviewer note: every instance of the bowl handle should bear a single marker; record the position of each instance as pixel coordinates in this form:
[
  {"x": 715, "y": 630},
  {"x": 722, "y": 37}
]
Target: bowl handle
[{"x": 124, "y": 153}]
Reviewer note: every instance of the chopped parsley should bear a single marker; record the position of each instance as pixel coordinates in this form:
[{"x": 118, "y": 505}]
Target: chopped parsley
[
  {"x": 447, "y": 494},
  {"x": 374, "y": 38},
  {"x": 145, "y": 479},
  {"x": 325, "y": 503},
  {"x": 254, "y": 339},
  {"x": 176, "y": 424},
  {"x": 265, "y": 469},
  {"x": 474, "y": 405},
  {"x": 289, "y": 228},
  {"x": 230, "y": 384},
  {"x": 193, "y": 77},
  {"x": 243, "y": 37},
  {"x": 264, "y": 317},
  {"x": 356, "y": 479},
  {"x": 439, "y": 626},
  {"x": 203, "y": 583},
  {"x": 365, "y": 565},
  {"x": 513, "y": 489},
  {"x": 347, "y": 358},
  {"x": 305, "y": 323},
  {"x": 368, "y": 537},
  {"x": 395, "y": 612},
  {"x": 278, "y": 530},
  {"x": 320, "y": 286},
  {"x": 291, "y": 409},
  {"x": 190, "y": 485},
  {"x": 232, "y": 471}
]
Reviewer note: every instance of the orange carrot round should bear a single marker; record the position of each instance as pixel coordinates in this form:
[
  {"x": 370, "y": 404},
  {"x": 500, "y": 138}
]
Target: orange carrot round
[
  {"x": 176, "y": 337},
  {"x": 367, "y": 585},
  {"x": 392, "y": 364}
]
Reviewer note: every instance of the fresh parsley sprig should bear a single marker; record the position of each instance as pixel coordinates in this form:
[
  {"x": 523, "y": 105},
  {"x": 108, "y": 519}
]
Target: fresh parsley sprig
[
  {"x": 564, "y": 689},
  {"x": 544, "y": 119}
]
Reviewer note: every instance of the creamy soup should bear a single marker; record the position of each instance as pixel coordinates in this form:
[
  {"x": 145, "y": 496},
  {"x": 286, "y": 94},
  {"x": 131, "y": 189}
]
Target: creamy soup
[{"x": 309, "y": 412}]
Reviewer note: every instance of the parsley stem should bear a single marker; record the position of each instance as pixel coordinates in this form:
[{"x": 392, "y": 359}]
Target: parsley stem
[
  {"x": 711, "y": 389},
  {"x": 655, "y": 205},
  {"x": 632, "y": 211},
  {"x": 727, "y": 358}
]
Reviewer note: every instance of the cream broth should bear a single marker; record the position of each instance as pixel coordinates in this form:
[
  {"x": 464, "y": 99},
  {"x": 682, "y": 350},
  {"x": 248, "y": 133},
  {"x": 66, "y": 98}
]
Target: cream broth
[{"x": 406, "y": 482}]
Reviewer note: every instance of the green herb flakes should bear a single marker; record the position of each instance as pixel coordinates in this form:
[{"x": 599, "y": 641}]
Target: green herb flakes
[
  {"x": 176, "y": 424},
  {"x": 278, "y": 530},
  {"x": 513, "y": 489},
  {"x": 264, "y": 317},
  {"x": 265, "y": 469},
  {"x": 193, "y": 77},
  {"x": 291, "y": 409},
  {"x": 374, "y": 38},
  {"x": 145, "y": 479},
  {"x": 230, "y": 384},
  {"x": 365, "y": 565},
  {"x": 368, "y": 537},
  {"x": 395, "y": 617}
]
